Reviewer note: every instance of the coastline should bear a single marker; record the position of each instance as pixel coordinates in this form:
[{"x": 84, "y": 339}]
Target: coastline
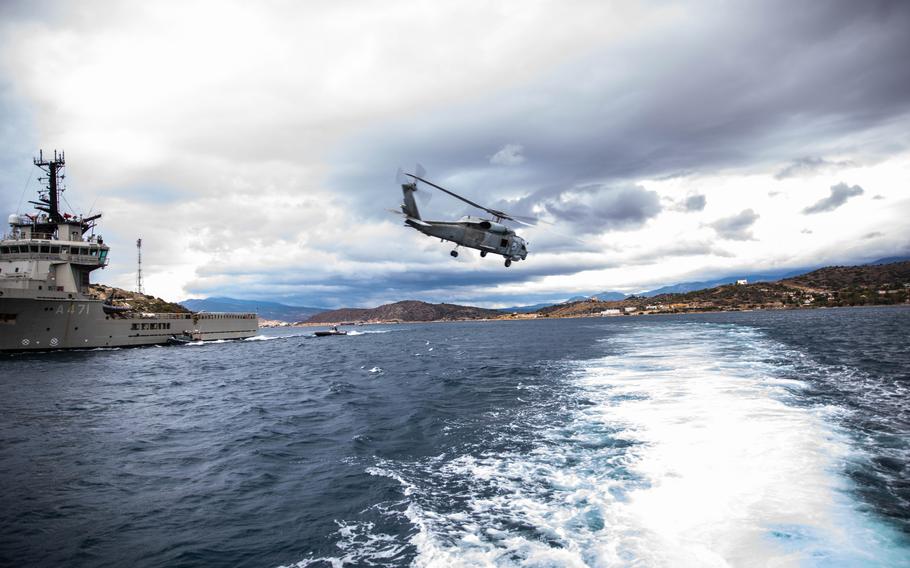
[{"x": 523, "y": 317}]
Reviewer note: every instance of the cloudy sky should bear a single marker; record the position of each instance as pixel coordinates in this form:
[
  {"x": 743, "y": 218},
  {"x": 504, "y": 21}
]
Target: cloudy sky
[{"x": 253, "y": 146}]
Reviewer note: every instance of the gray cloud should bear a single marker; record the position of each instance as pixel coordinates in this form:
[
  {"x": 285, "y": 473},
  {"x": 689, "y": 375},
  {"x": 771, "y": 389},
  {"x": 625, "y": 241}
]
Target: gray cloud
[
  {"x": 809, "y": 165},
  {"x": 693, "y": 203},
  {"x": 595, "y": 209},
  {"x": 508, "y": 155},
  {"x": 683, "y": 248},
  {"x": 444, "y": 282},
  {"x": 736, "y": 227},
  {"x": 840, "y": 193},
  {"x": 678, "y": 92},
  {"x": 689, "y": 107},
  {"x": 873, "y": 235}
]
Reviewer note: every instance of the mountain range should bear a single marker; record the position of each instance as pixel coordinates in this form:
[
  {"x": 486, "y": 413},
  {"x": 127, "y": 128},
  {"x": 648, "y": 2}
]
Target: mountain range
[
  {"x": 289, "y": 313},
  {"x": 865, "y": 285},
  {"x": 408, "y": 310}
]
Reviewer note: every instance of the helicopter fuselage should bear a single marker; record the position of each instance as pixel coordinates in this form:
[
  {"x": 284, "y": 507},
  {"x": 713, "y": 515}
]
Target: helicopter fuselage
[
  {"x": 481, "y": 234},
  {"x": 485, "y": 235}
]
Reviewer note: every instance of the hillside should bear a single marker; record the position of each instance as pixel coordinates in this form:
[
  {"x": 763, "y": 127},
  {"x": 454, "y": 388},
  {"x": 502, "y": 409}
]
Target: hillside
[
  {"x": 847, "y": 277},
  {"x": 406, "y": 311},
  {"x": 833, "y": 286},
  {"x": 137, "y": 302},
  {"x": 266, "y": 310}
]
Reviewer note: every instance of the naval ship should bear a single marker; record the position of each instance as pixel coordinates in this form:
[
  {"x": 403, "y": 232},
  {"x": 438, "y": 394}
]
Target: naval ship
[{"x": 46, "y": 261}]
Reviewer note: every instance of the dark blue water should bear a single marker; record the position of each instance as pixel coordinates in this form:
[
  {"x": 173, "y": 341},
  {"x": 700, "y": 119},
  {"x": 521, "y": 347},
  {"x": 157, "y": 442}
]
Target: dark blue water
[{"x": 726, "y": 439}]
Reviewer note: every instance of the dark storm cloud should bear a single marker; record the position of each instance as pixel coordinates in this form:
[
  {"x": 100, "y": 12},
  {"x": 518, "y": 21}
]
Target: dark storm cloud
[
  {"x": 434, "y": 284},
  {"x": 598, "y": 209},
  {"x": 736, "y": 227},
  {"x": 809, "y": 165},
  {"x": 713, "y": 92},
  {"x": 840, "y": 193}
]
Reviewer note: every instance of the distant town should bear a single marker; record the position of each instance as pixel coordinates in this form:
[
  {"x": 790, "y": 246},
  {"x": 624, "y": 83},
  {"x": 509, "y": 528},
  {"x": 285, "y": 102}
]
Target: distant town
[{"x": 866, "y": 285}]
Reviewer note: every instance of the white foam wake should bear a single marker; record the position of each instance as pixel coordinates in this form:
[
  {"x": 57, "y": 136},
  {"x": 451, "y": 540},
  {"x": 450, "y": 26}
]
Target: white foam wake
[
  {"x": 690, "y": 455},
  {"x": 685, "y": 448}
]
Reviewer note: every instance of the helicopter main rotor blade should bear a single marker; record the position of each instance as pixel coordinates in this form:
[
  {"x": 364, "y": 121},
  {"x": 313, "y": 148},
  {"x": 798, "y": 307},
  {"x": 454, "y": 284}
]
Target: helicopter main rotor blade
[
  {"x": 494, "y": 212},
  {"x": 521, "y": 221}
]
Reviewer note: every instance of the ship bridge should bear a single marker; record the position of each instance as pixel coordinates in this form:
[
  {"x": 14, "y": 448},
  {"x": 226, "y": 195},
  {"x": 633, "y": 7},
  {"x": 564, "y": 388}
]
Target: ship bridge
[{"x": 49, "y": 253}]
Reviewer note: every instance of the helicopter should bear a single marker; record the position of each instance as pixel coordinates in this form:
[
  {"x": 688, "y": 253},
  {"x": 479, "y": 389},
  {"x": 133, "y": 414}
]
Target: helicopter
[{"x": 485, "y": 235}]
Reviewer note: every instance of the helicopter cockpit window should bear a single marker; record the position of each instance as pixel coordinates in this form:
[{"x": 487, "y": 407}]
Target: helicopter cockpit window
[{"x": 504, "y": 243}]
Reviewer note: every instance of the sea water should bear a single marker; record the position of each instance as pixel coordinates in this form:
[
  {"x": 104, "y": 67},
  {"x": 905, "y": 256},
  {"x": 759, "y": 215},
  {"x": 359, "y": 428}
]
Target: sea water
[{"x": 748, "y": 439}]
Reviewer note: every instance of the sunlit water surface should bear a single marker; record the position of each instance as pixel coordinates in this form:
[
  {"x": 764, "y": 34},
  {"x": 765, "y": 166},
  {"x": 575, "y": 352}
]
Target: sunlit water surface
[{"x": 752, "y": 439}]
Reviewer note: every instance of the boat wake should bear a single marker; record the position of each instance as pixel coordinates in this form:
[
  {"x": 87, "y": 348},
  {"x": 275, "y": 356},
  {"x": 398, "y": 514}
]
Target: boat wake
[{"x": 688, "y": 447}]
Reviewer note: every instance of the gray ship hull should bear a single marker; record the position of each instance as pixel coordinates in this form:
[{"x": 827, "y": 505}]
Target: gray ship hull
[{"x": 46, "y": 324}]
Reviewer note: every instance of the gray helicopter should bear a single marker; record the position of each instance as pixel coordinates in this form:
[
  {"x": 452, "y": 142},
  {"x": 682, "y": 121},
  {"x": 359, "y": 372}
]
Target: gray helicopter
[{"x": 485, "y": 235}]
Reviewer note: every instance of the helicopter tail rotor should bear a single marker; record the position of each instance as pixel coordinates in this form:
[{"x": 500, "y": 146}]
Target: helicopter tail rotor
[
  {"x": 412, "y": 184},
  {"x": 408, "y": 189}
]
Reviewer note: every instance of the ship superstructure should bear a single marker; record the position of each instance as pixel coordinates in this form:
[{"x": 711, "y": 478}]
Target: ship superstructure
[{"x": 46, "y": 261}]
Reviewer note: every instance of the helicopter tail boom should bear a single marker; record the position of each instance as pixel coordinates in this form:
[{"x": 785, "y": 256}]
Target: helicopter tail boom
[{"x": 409, "y": 206}]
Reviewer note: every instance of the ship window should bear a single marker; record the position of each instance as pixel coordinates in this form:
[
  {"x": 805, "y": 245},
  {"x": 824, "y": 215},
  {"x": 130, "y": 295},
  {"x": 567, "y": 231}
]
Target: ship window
[
  {"x": 23, "y": 248},
  {"x": 45, "y": 249},
  {"x": 134, "y": 327},
  {"x": 55, "y": 250},
  {"x": 34, "y": 248},
  {"x": 82, "y": 251},
  {"x": 7, "y": 319},
  {"x": 93, "y": 252},
  {"x": 4, "y": 250},
  {"x": 65, "y": 250},
  {"x": 103, "y": 254}
]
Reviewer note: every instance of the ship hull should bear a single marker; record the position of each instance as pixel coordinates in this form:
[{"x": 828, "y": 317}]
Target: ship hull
[{"x": 48, "y": 324}]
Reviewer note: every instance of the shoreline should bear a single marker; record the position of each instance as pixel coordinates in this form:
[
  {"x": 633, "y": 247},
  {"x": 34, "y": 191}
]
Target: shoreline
[{"x": 267, "y": 325}]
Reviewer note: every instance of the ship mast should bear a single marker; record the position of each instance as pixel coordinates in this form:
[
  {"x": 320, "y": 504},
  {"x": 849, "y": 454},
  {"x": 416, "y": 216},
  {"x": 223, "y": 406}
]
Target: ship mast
[
  {"x": 50, "y": 203},
  {"x": 139, "y": 265}
]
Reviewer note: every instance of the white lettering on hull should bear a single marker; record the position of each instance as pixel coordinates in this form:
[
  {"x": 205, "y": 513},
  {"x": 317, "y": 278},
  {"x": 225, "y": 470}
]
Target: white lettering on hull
[{"x": 79, "y": 309}]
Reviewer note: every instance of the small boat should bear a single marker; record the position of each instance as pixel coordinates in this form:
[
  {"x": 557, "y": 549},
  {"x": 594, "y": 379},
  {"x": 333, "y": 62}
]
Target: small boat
[
  {"x": 184, "y": 338},
  {"x": 329, "y": 332}
]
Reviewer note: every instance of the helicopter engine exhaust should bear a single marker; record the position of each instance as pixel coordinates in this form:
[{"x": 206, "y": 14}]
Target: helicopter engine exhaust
[{"x": 493, "y": 227}]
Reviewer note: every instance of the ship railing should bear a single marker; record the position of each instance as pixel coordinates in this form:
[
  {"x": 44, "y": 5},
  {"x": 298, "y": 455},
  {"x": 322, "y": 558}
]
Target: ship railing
[
  {"x": 226, "y": 315},
  {"x": 198, "y": 316},
  {"x": 73, "y": 258},
  {"x": 32, "y": 236}
]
